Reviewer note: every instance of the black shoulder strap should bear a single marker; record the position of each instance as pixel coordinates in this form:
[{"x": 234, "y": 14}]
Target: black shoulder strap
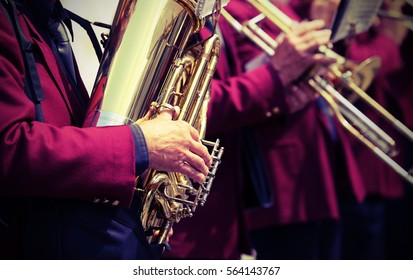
[
  {"x": 87, "y": 25},
  {"x": 32, "y": 82}
]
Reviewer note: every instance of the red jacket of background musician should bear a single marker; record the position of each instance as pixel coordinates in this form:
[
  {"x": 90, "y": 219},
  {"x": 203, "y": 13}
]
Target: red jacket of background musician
[
  {"x": 380, "y": 180},
  {"x": 296, "y": 153},
  {"x": 296, "y": 147}
]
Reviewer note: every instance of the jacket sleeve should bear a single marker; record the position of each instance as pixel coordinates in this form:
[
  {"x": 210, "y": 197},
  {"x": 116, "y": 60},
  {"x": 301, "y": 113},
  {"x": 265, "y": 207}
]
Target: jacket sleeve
[
  {"x": 246, "y": 99},
  {"x": 47, "y": 160},
  {"x": 240, "y": 98}
]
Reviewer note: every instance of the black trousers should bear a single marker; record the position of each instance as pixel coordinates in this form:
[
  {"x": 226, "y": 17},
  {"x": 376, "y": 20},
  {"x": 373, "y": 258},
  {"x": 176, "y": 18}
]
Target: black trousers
[
  {"x": 363, "y": 229},
  {"x": 62, "y": 229},
  {"x": 306, "y": 241}
]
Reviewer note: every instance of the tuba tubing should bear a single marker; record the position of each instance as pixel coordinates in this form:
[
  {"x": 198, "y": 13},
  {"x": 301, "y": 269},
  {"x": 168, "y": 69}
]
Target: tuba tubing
[{"x": 148, "y": 61}]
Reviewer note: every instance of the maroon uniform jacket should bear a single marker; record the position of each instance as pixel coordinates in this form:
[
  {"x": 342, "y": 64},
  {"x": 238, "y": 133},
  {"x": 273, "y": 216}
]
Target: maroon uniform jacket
[
  {"x": 56, "y": 158},
  {"x": 295, "y": 147},
  {"x": 404, "y": 84},
  {"x": 300, "y": 155},
  {"x": 380, "y": 180}
]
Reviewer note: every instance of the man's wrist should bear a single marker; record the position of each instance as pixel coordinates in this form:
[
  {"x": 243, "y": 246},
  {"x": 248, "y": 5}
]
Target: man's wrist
[{"x": 141, "y": 150}]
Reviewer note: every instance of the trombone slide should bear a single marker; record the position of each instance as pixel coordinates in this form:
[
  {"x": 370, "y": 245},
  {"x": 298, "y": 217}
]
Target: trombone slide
[
  {"x": 368, "y": 133},
  {"x": 373, "y": 138}
]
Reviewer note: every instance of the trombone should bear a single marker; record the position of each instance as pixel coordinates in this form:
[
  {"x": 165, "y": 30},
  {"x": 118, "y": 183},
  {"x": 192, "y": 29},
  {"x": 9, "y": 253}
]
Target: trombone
[{"x": 350, "y": 117}]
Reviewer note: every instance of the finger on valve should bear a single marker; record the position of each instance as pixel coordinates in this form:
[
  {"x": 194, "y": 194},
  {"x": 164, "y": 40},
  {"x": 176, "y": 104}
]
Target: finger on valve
[
  {"x": 148, "y": 115},
  {"x": 169, "y": 112}
]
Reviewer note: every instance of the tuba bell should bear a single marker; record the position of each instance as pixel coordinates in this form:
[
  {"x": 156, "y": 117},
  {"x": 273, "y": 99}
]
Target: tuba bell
[{"x": 150, "y": 61}]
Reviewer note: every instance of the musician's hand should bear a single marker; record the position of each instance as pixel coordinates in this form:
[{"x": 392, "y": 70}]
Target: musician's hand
[
  {"x": 324, "y": 10},
  {"x": 170, "y": 233},
  {"x": 147, "y": 116},
  {"x": 175, "y": 146},
  {"x": 298, "y": 96},
  {"x": 298, "y": 50}
]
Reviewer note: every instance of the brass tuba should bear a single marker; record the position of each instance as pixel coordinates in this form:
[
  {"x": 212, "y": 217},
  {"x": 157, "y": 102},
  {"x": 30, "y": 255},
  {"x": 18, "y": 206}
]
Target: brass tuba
[
  {"x": 149, "y": 61},
  {"x": 349, "y": 116}
]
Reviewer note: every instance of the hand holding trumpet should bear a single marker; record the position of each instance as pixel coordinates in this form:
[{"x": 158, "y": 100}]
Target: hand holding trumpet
[
  {"x": 298, "y": 50},
  {"x": 296, "y": 53}
]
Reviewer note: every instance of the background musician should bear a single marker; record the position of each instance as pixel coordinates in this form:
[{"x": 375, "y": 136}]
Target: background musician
[
  {"x": 364, "y": 225},
  {"x": 299, "y": 167},
  {"x": 398, "y": 225}
]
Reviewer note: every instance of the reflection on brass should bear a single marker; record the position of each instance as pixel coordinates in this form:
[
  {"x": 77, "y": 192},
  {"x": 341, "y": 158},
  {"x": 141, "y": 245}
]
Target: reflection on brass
[
  {"x": 147, "y": 62},
  {"x": 348, "y": 76}
]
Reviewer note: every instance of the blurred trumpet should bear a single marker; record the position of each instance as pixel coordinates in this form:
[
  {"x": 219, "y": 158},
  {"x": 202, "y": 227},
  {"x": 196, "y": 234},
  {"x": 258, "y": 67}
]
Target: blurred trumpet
[{"x": 350, "y": 117}]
